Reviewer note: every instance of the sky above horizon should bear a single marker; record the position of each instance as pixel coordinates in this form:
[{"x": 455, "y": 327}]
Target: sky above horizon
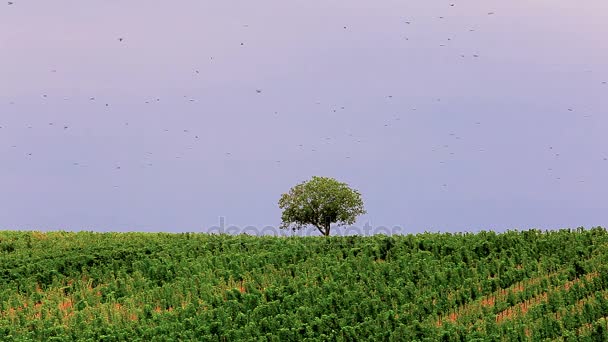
[{"x": 163, "y": 116}]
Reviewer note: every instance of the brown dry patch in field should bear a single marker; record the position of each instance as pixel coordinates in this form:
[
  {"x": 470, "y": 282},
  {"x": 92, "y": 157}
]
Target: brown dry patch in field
[
  {"x": 159, "y": 309},
  {"x": 65, "y": 305},
  {"x": 11, "y": 312},
  {"x": 501, "y": 295},
  {"x": 452, "y": 317},
  {"x": 489, "y": 301},
  {"x": 522, "y": 308},
  {"x": 586, "y": 328},
  {"x": 518, "y": 288},
  {"x": 508, "y": 313},
  {"x": 588, "y": 277},
  {"x": 578, "y": 308}
]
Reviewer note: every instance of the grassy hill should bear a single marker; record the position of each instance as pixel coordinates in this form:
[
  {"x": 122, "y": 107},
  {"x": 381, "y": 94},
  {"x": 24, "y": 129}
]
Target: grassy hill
[{"x": 527, "y": 285}]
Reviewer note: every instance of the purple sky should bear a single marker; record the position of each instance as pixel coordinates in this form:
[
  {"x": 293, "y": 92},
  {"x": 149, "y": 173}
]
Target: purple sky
[{"x": 482, "y": 115}]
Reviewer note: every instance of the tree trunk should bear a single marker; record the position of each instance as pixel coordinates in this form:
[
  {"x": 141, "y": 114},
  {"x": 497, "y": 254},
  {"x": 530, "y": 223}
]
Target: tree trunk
[{"x": 324, "y": 229}]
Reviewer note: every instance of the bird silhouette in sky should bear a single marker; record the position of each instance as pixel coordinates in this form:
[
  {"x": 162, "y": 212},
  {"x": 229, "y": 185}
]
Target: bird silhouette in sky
[{"x": 348, "y": 143}]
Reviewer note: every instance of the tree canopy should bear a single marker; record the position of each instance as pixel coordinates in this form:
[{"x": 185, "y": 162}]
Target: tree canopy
[{"x": 320, "y": 202}]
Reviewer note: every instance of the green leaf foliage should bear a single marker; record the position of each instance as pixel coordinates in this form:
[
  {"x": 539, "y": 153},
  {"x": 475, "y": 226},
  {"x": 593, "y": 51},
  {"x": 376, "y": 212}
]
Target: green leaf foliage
[
  {"x": 514, "y": 286},
  {"x": 320, "y": 202}
]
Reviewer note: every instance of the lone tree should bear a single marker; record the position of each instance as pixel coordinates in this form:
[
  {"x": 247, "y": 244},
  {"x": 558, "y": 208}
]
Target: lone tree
[{"x": 320, "y": 202}]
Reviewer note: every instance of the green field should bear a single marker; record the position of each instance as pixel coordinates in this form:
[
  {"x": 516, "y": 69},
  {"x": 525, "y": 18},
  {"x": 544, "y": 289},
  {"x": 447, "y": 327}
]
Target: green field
[{"x": 528, "y": 285}]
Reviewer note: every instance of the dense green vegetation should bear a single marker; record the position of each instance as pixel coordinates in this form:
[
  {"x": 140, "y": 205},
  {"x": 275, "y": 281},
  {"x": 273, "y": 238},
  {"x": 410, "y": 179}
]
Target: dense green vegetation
[{"x": 513, "y": 286}]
